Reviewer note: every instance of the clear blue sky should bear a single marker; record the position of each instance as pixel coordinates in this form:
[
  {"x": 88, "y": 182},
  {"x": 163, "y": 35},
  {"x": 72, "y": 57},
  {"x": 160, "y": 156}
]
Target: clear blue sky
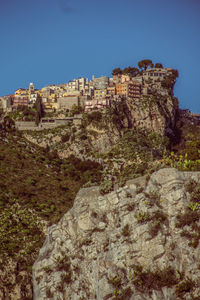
[{"x": 54, "y": 41}]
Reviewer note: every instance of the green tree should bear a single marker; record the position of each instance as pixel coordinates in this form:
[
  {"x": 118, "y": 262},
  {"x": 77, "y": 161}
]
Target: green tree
[
  {"x": 39, "y": 110},
  {"x": 145, "y": 63},
  {"x": 76, "y": 109},
  {"x": 117, "y": 71},
  {"x": 8, "y": 124},
  {"x": 159, "y": 66},
  {"x": 130, "y": 71}
]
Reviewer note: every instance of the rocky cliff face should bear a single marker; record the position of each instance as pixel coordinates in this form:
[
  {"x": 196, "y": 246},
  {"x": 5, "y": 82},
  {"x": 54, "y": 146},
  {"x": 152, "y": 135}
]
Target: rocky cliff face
[
  {"x": 151, "y": 114},
  {"x": 138, "y": 242}
]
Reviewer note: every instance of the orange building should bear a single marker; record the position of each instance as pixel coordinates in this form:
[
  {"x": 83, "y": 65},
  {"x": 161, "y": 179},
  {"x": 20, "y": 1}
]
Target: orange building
[
  {"x": 119, "y": 88},
  {"x": 130, "y": 89}
]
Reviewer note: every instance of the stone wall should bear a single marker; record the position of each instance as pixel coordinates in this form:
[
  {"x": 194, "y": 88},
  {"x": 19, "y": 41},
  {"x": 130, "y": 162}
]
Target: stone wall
[{"x": 47, "y": 123}]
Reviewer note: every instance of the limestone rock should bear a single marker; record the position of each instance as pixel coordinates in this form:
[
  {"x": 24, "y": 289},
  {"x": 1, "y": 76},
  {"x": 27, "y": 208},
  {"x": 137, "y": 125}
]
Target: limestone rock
[{"x": 123, "y": 245}]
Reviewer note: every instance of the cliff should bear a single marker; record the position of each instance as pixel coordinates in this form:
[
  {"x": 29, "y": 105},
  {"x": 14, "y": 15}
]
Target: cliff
[
  {"x": 137, "y": 242},
  {"x": 101, "y": 130}
]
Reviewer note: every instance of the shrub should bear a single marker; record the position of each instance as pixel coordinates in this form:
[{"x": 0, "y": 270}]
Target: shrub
[
  {"x": 148, "y": 280},
  {"x": 65, "y": 138},
  {"x": 185, "y": 286},
  {"x": 142, "y": 217},
  {"x": 188, "y": 218},
  {"x": 158, "y": 218},
  {"x": 126, "y": 230},
  {"x": 106, "y": 186}
]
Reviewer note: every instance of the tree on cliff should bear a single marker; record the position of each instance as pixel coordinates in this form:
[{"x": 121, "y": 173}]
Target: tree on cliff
[
  {"x": 130, "y": 71},
  {"x": 39, "y": 110},
  {"x": 117, "y": 71},
  {"x": 8, "y": 124},
  {"x": 145, "y": 63},
  {"x": 159, "y": 66}
]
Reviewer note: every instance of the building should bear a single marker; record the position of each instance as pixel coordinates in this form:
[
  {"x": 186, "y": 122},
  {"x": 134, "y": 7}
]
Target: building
[
  {"x": 130, "y": 89},
  {"x": 68, "y": 102},
  {"x": 111, "y": 90},
  {"x": 100, "y": 93},
  {"x": 20, "y": 101},
  {"x": 21, "y": 97},
  {"x": 117, "y": 78},
  {"x": 156, "y": 73},
  {"x": 119, "y": 88},
  {"x": 31, "y": 87},
  {"x": 79, "y": 84},
  {"x": 97, "y": 104},
  {"x": 125, "y": 78},
  {"x": 100, "y": 82},
  {"x": 33, "y": 98},
  {"x": 6, "y": 102}
]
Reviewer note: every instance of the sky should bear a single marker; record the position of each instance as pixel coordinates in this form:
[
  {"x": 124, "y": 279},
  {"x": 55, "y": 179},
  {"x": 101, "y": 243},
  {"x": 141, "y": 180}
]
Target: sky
[{"x": 54, "y": 41}]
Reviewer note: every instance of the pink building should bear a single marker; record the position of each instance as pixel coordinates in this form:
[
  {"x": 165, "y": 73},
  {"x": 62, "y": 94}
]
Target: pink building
[{"x": 19, "y": 100}]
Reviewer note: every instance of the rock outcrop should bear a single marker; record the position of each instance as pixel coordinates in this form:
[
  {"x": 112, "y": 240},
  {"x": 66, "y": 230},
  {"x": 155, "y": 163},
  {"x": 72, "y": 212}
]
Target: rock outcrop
[{"x": 138, "y": 242}]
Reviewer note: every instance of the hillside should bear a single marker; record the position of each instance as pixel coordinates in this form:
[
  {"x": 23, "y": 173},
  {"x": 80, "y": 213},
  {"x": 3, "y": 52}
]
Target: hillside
[
  {"x": 41, "y": 173},
  {"x": 36, "y": 189}
]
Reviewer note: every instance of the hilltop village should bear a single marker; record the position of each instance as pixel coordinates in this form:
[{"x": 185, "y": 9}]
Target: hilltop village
[
  {"x": 97, "y": 93},
  {"x": 115, "y": 143}
]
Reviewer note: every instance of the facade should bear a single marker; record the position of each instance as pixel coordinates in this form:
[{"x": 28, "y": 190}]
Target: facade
[
  {"x": 117, "y": 79},
  {"x": 119, "y": 88},
  {"x": 130, "y": 89},
  {"x": 156, "y": 73},
  {"x": 20, "y": 100},
  {"x": 33, "y": 98},
  {"x": 125, "y": 78},
  {"x": 6, "y": 103},
  {"x": 78, "y": 84},
  {"x": 67, "y": 102},
  {"x": 111, "y": 90},
  {"x": 31, "y": 87},
  {"x": 100, "y": 93},
  {"x": 96, "y": 104}
]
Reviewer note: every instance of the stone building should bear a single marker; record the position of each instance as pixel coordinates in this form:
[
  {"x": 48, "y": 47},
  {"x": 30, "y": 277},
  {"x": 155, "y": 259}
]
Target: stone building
[
  {"x": 6, "y": 103},
  {"x": 156, "y": 73},
  {"x": 100, "y": 82},
  {"x": 68, "y": 102}
]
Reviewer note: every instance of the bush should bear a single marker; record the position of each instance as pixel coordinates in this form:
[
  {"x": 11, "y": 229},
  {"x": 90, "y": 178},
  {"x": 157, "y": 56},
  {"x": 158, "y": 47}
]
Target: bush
[
  {"x": 146, "y": 281},
  {"x": 65, "y": 138},
  {"x": 106, "y": 186}
]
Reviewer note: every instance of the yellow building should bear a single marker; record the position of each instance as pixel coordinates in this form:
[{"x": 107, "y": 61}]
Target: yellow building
[
  {"x": 100, "y": 93},
  {"x": 21, "y": 92}
]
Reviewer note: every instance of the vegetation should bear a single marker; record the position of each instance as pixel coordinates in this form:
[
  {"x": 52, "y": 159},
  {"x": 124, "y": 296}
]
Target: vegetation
[
  {"x": 106, "y": 186},
  {"x": 158, "y": 65},
  {"x": 145, "y": 281},
  {"x": 36, "y": 189},
  {"x": 116, "y": 71},
  {"x": 131, "y": 71},
  {"x": 145, "y": 63}
]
